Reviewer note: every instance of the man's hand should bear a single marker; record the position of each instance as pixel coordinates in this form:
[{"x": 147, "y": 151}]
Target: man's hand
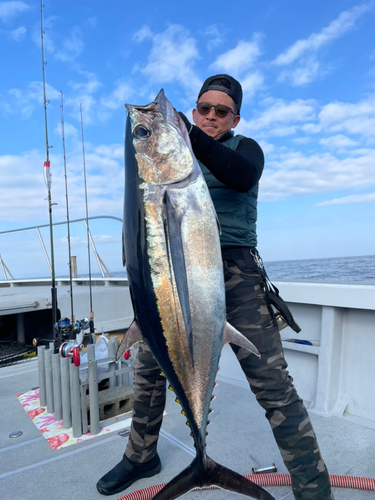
[{"x": 189, "y": 125}]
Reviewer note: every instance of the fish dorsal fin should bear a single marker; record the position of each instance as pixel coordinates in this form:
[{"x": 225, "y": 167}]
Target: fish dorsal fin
[
  {"x": 123, "y": 248},
  {"x": 132, "y": 336},
  {"x": 233, "y": 336}
]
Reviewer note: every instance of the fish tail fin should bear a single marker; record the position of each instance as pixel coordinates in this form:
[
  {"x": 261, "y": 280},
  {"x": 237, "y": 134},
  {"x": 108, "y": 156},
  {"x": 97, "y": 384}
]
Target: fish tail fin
[{"x": 208, "y": 473}]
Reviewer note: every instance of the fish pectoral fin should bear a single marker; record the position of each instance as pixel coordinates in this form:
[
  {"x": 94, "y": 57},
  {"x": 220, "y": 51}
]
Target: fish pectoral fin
[
  {"x": 233, "y": 336},
  {"x": 178, "y": 265},
  {"x": 218, "y": 223},
  {"x": 132, "y": 336}
]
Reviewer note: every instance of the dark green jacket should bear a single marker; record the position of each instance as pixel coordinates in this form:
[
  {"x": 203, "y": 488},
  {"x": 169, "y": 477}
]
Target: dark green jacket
[{"x": 237, "y": 212}]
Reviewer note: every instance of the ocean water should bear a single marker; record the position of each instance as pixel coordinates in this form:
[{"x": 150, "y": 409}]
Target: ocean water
[
  {"x": 341, "y": 269},
  {"x": 334, "y": 269}
]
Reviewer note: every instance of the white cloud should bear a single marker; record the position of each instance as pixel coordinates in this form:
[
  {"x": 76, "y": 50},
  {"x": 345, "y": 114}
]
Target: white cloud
[
  {"x": 292, "y": 173},
  {"x": 351, "y": 118},
  {"x": 48, "y": 37},
  {"x": 26, "y": 100},
  {"x": 311, "y": 128},
  {"x": 337, "y": 28},
  {"x": 105, "y": 184},
  {"x": 172, "y": 58},
  {"x": 215, "y": 36},
  {"x": 72, "y": 46},
  {"x": 280, "y": 117},
  {"x": 251, "y": 83},
  {"x": 114, "y": 151},
  {"x": 337, "y": 142},
  {"x": 354, "y": 198},
  {"x": 303, "y": 53},
  {"x": 236, "y": 61},
  {"x": 142, "y": 34},
  {"x": 354, "y": 118},
  {"x": 94, "y": 106},
  {"x": 283, "y": 131},
  {"x": 90, "y": 86},
  {"x": 69, "y": 130},
  {"x": 83, "y": 92},
  {"x": 12, "y": 9},
  {"x": 267, "y": 147},
  {"x": 119, "y": 96},
  {"x": 66, "y": 49},
  {"x": 347, "y": 200},
  {"x": 28, "y": 187},
  {"x": 301, "y": 140},
  {"x": 17, "y": 34},
  {"x": 303, "y": 75}
]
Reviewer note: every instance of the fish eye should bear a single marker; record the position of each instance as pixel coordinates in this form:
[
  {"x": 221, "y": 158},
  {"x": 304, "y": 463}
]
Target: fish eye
[{"x": 141, "y": 132}]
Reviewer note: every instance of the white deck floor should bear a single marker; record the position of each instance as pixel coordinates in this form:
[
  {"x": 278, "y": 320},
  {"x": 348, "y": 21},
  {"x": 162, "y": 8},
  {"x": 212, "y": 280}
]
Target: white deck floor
[{"x": 238, "y": 431}]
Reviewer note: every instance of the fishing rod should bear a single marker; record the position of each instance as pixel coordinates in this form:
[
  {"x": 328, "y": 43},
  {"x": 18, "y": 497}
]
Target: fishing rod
[
  {"x": 67, "y": 207},
  {"x": 92, "y": 329},
  {"x": 71, "y": 333},
  {"x": 48, "y": 181}
]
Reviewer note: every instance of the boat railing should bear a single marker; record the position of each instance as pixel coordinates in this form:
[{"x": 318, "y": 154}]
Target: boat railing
[{"x": 102, "y": 266}]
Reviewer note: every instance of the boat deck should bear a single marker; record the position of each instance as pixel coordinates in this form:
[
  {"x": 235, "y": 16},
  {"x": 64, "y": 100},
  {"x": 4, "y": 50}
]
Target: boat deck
[{"x": 239, "y": 437}]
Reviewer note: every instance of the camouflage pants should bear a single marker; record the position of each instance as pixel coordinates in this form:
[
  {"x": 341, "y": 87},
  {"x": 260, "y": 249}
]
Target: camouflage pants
[{"x": 268, "y": 378}]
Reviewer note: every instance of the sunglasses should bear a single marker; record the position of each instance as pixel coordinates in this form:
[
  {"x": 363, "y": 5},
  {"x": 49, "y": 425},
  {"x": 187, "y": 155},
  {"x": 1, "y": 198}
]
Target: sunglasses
[{"x": 220, "y": 109}]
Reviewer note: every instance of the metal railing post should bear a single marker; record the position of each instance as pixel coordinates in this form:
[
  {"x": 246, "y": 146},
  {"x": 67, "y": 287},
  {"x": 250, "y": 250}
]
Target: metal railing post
[{"x": 44, "y": 249}]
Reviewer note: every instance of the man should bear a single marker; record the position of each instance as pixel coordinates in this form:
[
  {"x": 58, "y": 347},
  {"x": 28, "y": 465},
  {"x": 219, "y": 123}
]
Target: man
[{"x": 232, "y": 166}]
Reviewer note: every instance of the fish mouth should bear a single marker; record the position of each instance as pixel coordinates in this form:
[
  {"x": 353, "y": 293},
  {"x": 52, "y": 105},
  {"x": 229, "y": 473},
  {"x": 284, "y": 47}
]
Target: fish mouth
[{"x": 159, "y": 108}]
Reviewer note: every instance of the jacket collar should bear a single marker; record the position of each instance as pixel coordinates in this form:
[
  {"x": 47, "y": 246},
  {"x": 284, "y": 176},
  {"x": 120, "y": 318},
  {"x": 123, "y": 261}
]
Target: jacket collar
[{"x": 226, "y": 136}]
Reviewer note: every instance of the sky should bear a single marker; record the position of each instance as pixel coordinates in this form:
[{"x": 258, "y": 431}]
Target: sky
[{"x": 308, "y": 74}]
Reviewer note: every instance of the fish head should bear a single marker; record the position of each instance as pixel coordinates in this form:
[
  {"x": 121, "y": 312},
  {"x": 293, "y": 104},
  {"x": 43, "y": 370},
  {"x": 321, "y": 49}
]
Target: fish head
[{"x": 161, "y": 142}]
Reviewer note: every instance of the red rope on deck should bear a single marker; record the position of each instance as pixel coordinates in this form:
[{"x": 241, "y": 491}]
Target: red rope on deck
[{"x": 358, "y": 483}]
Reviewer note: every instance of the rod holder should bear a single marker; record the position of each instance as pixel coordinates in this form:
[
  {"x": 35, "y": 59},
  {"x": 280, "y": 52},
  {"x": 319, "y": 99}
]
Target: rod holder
[
  {"x": 42, "y": 375},
  {"x": 65, "y": 389},
  {"x": 49, "y": 380},
  {"x": 57, "y": 395}
]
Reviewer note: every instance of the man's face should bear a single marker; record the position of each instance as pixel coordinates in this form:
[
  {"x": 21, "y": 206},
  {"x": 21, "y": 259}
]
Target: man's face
[{"x": 211, "y": 124}]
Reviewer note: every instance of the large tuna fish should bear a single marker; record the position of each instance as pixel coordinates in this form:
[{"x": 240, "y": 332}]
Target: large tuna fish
[{"x": 173, "y": 261}]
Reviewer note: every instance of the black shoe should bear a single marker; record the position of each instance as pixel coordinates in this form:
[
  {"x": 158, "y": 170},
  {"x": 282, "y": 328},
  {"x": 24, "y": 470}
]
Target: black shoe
[{"x": 125, "y": 473}]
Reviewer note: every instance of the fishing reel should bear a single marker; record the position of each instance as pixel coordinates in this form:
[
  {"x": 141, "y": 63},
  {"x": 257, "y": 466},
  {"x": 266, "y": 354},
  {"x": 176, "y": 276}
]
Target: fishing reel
[
  {"x": 71, "y": 350},
  {"x": 65, "y": 330}
]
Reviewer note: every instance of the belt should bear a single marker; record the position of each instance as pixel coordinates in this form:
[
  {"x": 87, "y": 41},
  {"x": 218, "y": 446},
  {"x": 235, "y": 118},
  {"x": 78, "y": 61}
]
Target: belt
[{"x": 239, "y": 253}]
